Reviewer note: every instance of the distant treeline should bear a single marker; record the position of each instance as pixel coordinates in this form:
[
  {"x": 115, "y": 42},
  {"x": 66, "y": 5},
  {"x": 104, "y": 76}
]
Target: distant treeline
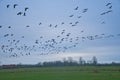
[{"x": 65, "y": 62}]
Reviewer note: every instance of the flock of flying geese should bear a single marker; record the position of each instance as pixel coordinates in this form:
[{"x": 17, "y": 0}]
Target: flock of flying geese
[
  {"x": 42, "y": 46},
  {"x": 109, "y": 6},
  {"x": 23, "y": 13}
]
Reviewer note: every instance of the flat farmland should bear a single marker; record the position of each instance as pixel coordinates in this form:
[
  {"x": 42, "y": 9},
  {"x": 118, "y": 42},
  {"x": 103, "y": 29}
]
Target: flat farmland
[{"x": 62, "y": 73}]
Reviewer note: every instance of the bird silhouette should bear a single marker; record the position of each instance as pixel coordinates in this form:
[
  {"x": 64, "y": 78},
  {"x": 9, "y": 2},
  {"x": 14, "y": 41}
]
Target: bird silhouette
[
  {"x": 103, "y": 22},
  {"x": 62, "y": 32},
  {"x": 90, "y": 37},
  {"x": 76, "y": 8},
  {"x": 41, "y": 37},
  {"x": 19, "y": 13},
  {"x": 76, "y": 22},
  {"x": 62, "y": 23},
  {"x": 36, "y": 42},
  {"x": 15, "y": 5},
  {"x": 110, "y": 7},
  {"x": 9, "y": 26},
  {"x": 71, "y": 15},
  {"x": 56, "y": 26},
  {"x": 50, "y": 25},
  {"x": 68, "y": 34},
  {"x": 79, "y": 16},
  {"x": 103, "y": 13},
  {"x": 70, "y": 23},
  {"x": 40, "y": 23},
  {"x": 6, "y": 35},
  {"x": 108, "y": 4},
  {"x": 12, "y": 34},
  {"x": 83, "y": 38},
  {"x": 22, "y": 37},
  {"x": 24, "y": 14},
  {"x": 73, "y": 25},
  {"x": 27, "y": 26},
  {"x": 58, "y": 36},
  {"x": 0, "y": 26},
  {"x": 26, "y": 8},
  {"x": 85, "y": 10},
  {"x": 118, "y": 34},
  {"x": 108, "y": 11},
  {"x": 8, "y": 6},
  {"x": 82, "y": 31}
]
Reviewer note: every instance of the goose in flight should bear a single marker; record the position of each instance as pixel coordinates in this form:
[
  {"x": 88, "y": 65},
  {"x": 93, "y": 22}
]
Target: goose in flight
[
  {"x": 24, "y": 14},
  {"x": 40, "y": 23},
  {"x": 109, "y": 11},
  {"x": 41, "y": 37},
  {"x": 68, "y": 34},
  {"x": 15, "y": 5},
  {"x": 71, "y": 15},
  {"x": 103, "y": 13},
  {"x": 76, "y": 8},
  {"x": 70, "y": 23},
  {"x": 85, "y": 10},
  {"x": 118, "y": 34},
  {"x": 56, "y": 26},
  {"x": 79, "y": 16},
  {"x": 58, "y": 36},
  {"x": 8, "y": 6},
  {"x": 9, "y": 26},
  {"x": 26, "y": 8},
  {"x": 50, "y": 25},
  {"x": 27, "y": 26},
  {"x": 12, "y": 34},
  {"x": 73, "y": 25},
  {"x": 19, "y": 13},
  {"x": 76, "y": 22},
  {"x": 82, "y": 31},
  {"x": 110, "y": 7},
  {"x": 108, "y": 4},
  {"x": 62, "y": 23},
  {"x": 0, "y": 26},
  {"x": 22, "y": 37},
  {"x": 6, "y": 35},
  {"x": 103, "y": 22}
]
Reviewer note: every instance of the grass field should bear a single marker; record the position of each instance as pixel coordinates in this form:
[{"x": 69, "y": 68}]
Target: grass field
[{"x": 62, "y": 73}]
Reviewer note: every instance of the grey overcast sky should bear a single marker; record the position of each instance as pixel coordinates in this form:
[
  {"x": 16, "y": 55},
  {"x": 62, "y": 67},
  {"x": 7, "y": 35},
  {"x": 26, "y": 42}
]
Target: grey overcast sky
[{"x": 33, "y": 31}]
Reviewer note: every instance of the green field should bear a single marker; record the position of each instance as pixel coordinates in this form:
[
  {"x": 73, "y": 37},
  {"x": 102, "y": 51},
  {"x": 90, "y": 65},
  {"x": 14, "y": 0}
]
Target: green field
[{"x": 62, "y": 73}]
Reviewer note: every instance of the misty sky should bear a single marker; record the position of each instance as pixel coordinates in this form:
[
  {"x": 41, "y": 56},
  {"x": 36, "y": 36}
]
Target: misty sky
[{"x": 33, "y": 31}]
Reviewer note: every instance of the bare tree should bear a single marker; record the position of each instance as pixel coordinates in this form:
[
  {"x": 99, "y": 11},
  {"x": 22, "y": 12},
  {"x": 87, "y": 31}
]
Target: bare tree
[
  {"x": 94, "y": 60},
  {"x": 70, "y": 59}
]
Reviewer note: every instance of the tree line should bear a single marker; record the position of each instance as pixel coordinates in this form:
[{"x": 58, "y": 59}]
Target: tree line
[
  {"x": 61, "y": 63},
  {"x": 69, "y": 62}
]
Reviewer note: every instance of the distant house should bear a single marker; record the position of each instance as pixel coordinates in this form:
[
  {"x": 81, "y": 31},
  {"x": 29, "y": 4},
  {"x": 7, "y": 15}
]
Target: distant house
[{"x": 10, "y": 66}]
